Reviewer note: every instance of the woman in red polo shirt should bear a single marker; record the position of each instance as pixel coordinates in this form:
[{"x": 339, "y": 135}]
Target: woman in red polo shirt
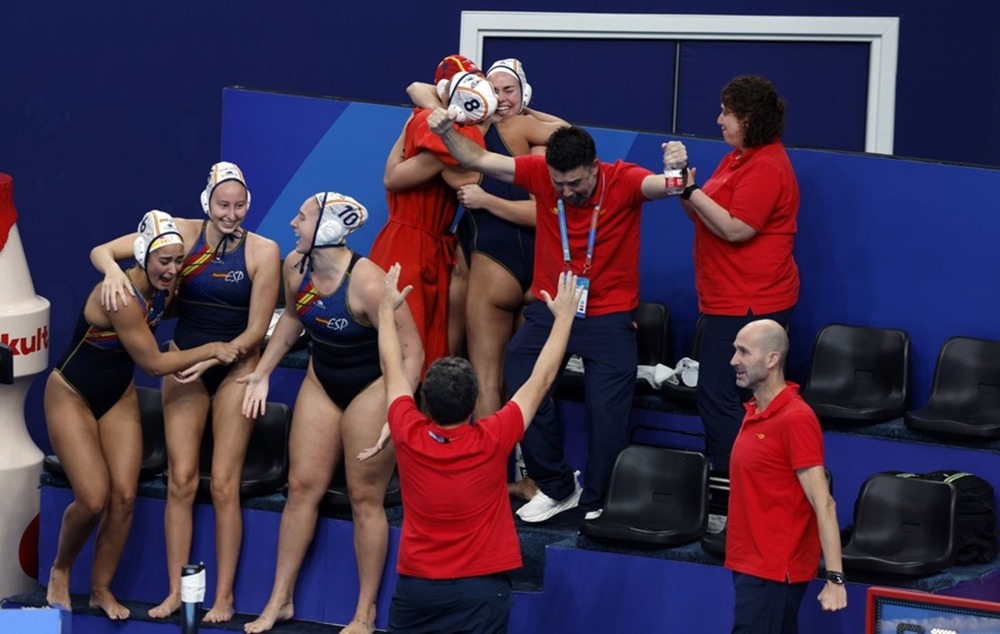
[{"x": 744, "y": 229}]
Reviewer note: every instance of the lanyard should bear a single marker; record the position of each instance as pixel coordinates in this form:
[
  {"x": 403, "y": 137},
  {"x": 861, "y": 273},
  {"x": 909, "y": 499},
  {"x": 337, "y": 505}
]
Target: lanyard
[{"x": 591, "y": 238}]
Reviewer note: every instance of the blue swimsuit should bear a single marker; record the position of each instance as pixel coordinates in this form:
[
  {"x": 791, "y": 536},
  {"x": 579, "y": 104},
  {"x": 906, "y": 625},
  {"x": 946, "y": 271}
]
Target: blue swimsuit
[
  {"x": 214, "y": 294},
  {"x": 509, "y": 244},
  {"x": 344, "y": 351},
  {"x": 96, "y": 364}
]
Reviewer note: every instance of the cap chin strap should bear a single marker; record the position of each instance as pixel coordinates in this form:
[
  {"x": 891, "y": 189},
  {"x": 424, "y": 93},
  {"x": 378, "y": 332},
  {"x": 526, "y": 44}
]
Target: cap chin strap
[
  {"x": 220, "y": 248},
  {"x": 307, "y": 261}
]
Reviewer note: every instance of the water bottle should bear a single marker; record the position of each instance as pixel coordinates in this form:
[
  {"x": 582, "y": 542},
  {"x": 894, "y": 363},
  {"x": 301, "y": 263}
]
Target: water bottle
[
  {"x": 192, "y": 594},
  {"x": 674, "y": 174}
]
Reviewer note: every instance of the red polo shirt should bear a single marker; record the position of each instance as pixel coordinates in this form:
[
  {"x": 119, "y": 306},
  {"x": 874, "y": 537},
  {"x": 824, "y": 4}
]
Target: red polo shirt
[
  {"x": 457, "y": 520},
  {"x": 614, "y": 273},
  {"x": 772, "y": 530},
  {"x": 760, "y": 274}
]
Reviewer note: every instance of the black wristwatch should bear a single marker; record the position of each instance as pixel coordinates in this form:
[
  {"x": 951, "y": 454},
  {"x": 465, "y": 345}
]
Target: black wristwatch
[
  {"x": 835, "y": 577},
  {"x": 686, "y": 194}
]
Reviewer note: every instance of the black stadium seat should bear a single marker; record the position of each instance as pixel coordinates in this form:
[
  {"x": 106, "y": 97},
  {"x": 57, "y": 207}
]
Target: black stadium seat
[
  {"x": 652, "y": 342},
  {"x": 902, "y": 526},
  {"x": 859, "y": 374},
  {"x": 658, "y": 497},
  {"x": 265, "y": 469},
  {"x": 965, "y": 397},
  {"x": 336, "y": 501}
]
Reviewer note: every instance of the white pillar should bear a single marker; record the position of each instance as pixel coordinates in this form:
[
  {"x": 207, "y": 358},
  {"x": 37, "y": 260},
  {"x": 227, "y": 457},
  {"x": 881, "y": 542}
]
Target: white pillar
[{"x": 24, "y": 328}]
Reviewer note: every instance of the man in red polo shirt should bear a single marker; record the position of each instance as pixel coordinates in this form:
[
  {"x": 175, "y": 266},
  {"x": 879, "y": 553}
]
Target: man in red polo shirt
[
  {"x": 458, "y": 541},
  {"x": 781, "y": 514},
  {"x": 587, "y": 215}
]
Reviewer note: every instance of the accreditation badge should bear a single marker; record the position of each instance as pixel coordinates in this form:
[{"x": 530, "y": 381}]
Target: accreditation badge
[{"x": 582, "y": 283}]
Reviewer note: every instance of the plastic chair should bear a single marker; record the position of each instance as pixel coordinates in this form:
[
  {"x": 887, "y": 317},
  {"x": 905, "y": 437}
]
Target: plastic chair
[
  {"x": 859, "y": 374},
  {"x": 265, "y": 468},
  {"x": 653, "y": 346},
  {"x": 965, "y": 396},
  {"x": 652, "y": 338},
  {"x": 653, "y": 334},
  {"x": 658, "y": 497},
  {"x": 681, "y": 393},
  {"x": 902, "y": 526},
  {"x": 154, "y": 443}
]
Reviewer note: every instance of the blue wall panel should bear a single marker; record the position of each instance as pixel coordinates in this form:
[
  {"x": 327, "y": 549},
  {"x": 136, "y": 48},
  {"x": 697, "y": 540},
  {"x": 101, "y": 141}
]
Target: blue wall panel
[
  {"x": 615, "y": 83},
  {"x": 291, "y": 147},
  {"x": 824, "y": 84},
  {"x": 631, "y": 83}
]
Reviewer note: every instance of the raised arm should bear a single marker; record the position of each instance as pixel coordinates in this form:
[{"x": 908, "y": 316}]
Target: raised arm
[
  {"x": 403, "y": 173},
  {"x": 389, "y": 346},
  {"x": 466, "y": 152},
  {"x": 550, "y": 360},
  {"x": 423, "y": 95},
  {"x": 367, "y": 284},
  {"x": 817, "y": 490},
  {"x": 400, "y": 352},
  {"x": 716, "y": 218},
  {"x": 654, "y": 186}
]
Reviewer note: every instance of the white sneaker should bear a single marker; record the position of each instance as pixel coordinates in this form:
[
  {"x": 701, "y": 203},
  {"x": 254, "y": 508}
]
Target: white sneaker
[
  {"x": 593, "y": 515},
  {"x": 716, "y": 523},
  {"x": 541, "y": 507}
]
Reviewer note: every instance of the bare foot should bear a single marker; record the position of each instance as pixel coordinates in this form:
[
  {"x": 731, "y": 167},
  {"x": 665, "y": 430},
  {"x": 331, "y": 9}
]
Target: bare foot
[
  {"x": 57, "y": 594},
  {"x": 359, "y": 626},
  {"x": 525, "y": 489},
  {"x": 361, "y": 623},
  {"x": 170, "y": 605},
  {"x": 221, "y": 612},
  {"x": 273, "y": 613},
  {"x": 102, "y": 598}
]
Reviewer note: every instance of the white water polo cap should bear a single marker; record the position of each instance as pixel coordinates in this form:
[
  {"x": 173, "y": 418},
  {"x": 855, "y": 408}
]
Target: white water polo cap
[
  {"x": 220, "y": 173},
  {"x": 471, "y": 98},
  {"x": 157, "y": 229},
  {"x": 339, "y": 216},
  {"x": 513, "y": 67}
]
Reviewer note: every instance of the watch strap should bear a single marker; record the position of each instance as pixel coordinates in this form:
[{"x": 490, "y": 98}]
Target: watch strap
[{"x": 835, "y": 577}]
